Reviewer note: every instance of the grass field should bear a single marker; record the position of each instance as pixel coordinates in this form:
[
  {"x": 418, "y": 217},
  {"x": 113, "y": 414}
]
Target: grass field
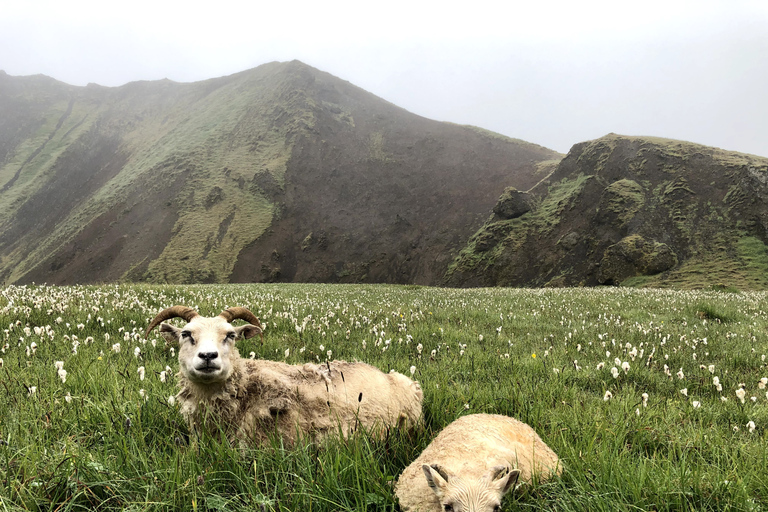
[{"x": 653, "y": 399}]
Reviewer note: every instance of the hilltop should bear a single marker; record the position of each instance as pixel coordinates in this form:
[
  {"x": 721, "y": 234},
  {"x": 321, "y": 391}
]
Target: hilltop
[
  {"x": 639, "y": 211},
  {"x": 279, "y": 173}
]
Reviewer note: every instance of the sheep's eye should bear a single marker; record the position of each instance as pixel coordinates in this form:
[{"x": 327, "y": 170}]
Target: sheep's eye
[
  {"x": 230, "y": 336},
  {"x": 497, "y": 508},
  {"x": 447, "y": 508},
  {"x": 188, "y": 336}
]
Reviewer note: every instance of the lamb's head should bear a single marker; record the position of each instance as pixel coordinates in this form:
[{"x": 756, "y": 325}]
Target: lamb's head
[
  {"x": 481, "y": 495},
  {"x": 206, "y": 345}
]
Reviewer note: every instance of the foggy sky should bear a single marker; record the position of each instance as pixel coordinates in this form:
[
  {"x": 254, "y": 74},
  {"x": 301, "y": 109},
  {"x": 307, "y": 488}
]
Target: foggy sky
[{"x": 555, "y": 73}]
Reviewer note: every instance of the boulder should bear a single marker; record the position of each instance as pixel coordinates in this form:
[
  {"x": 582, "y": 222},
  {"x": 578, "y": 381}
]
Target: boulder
[
  {"x": 513, "y": 203},
  {"x": 634, "y": 256}
]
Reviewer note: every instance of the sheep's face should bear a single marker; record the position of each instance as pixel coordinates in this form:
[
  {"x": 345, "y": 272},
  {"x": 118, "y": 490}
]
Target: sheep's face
[
  {"x": 482, "y": 495},
  {"x": 207, "y": 347}
]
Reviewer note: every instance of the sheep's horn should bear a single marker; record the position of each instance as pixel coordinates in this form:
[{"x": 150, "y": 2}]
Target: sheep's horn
[
  {"x": 173, "y": 312},
  {"x": 235, "y": 313}
]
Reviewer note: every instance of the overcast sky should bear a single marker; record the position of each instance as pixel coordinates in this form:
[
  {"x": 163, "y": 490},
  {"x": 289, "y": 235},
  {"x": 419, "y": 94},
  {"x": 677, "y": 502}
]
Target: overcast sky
[{"x": 550, "y": 72}]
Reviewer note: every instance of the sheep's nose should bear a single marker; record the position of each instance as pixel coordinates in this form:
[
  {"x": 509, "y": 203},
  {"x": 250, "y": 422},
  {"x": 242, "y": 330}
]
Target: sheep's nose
[{"x": 208, "y": 356}]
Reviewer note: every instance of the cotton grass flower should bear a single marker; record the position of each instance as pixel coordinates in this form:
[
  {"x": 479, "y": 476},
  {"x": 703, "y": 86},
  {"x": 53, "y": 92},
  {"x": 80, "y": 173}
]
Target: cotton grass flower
[
  {"x": 763, "y": 382},
  {"x": 68, "y": 398},
  {"x": 680, "y": 374},
  {"x": 625, "y": 366},
  {"x": 615, "y": 372},
  {"x": 645, "y": 399},
  {"x": 171, "y": 400},
  {"x": 741, "y": 394},
  {"x": 116, "y": 348},
  {"x": 696, "y": 404},
  {"x": 751, "y": 426},
  {"x": 607, "y": 396},
  {"x": 412, "y": 369},
  {"x": 141, "y": 372}
]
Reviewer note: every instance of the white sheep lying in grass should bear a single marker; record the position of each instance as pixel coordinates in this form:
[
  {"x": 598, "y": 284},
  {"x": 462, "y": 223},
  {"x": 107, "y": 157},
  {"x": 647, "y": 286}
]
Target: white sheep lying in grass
[
  {"x": 472, "y": 463},
  {"x": 251, "y": 399}
]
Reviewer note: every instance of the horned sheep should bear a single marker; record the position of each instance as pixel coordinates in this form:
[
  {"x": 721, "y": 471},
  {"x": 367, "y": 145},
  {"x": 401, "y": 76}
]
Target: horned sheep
[
  {"x": 249, "y": 399},
  {"x": 472, "y": 463}
]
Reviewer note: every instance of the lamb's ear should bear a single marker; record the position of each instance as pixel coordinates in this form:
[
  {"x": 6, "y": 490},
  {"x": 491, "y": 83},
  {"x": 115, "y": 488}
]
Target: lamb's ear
[
  {"x": 502, "y": 480},
  {"x": 437, "y": 478},
  {"x": 247, "y": 331},
  {"x": 170, "y": 333}
]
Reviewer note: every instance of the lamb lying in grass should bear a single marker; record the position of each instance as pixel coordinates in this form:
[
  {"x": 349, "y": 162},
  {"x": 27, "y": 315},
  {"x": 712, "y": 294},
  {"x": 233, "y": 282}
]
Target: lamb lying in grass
[
  {"x": 471, "y": 465},
  {"x": 251, "y": 399}
]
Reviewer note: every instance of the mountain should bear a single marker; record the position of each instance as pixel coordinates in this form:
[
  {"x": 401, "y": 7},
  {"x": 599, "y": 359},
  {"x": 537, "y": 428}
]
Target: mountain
[
  {"x": 279, "y": 173},
  {"x": 640, "y": 211}
]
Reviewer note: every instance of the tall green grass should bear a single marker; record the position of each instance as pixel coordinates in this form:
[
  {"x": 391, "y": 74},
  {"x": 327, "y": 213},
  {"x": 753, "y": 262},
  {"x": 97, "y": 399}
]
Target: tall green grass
[{"x": 106, "y": 440}]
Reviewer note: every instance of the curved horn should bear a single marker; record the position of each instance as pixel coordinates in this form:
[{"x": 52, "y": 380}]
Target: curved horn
[
  {"x": 173, "y": 312},
  {"x": 231, "y": 314}
]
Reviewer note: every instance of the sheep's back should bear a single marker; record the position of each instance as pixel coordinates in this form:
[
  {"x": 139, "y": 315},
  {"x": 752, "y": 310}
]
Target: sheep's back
[{"x": 354, "y": 395}]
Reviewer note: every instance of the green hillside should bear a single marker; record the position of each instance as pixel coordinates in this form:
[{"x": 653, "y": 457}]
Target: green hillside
[
  {"x": 640, "y": 211},
  {"x": 224, "y": 179}
]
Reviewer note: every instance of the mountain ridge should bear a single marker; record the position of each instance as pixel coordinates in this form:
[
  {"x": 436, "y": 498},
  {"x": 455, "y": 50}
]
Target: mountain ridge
[{"x": 177, "y": 182}]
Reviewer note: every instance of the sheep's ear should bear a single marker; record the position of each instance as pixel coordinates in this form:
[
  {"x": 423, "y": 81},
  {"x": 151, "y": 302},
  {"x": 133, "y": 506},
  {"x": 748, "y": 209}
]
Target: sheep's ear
[
  {"x": 170, "y": 333},
  {"x": 247, "y": 331},
  {"x": 502, "y": 480},
  {"x": 437, "y": 478}
]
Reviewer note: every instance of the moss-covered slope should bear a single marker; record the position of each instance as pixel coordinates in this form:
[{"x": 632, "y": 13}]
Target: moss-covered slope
[
  {"x": 633, "y": 210},
  {"x": 226, "y": 179}
]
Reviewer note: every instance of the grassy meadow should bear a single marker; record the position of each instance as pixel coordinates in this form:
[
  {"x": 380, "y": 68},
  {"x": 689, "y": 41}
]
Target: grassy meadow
[{"x": 656, "y": 400}]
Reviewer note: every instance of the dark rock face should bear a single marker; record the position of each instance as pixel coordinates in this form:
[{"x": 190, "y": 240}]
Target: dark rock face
[
  {"x": 512, "y": 204},
  {"x": 633, "y": 256},
  {"x": 659, "y": 211}
]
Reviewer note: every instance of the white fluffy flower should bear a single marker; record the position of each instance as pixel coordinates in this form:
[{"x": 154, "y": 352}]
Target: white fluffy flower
[
  {"x": 116, "y": 348},
  {"x": 741, "y": 393},
  {"x": 615, "y": 372},
  {"x": 684, "y": 391},
  {"x": 412, "y": 370},
  {"x": 751, "y": 426},
  {"x": 696, "y": 404},
  {"x": 680, "y": 374},
  {"x": 607, "y": 396},
  {"x": 625, "y": 366},
  {"x": 141, "y": 372},
  {"x": 171, "y": 400},
  {"x": 645, "y": 399}
]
